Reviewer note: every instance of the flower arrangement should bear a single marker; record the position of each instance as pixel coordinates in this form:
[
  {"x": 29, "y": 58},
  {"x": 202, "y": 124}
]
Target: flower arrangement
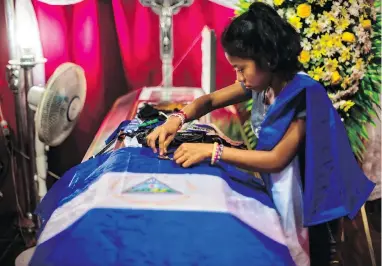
[{"x": 341, "y": 49}]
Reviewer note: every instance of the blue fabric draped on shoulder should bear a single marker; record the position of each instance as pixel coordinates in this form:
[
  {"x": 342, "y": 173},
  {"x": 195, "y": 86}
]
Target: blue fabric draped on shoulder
[{"x": 335, "y": 185}]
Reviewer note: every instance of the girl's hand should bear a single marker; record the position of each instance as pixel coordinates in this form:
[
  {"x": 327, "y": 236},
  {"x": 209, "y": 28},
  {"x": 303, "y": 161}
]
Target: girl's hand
[
  {"x": 189, "y": 154},
  {"x": 165, "y": 133}
]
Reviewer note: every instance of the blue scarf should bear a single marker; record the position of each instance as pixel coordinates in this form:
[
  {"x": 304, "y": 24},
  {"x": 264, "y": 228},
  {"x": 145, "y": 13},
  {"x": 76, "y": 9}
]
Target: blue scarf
[{"x": 335, "y": 186}]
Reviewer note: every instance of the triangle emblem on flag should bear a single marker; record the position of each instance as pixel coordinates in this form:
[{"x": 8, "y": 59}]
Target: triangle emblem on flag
[{"x": 151, "y": 185}]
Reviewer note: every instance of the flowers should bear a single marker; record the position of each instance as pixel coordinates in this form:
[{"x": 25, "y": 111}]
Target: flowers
[
  {"x": 348, "y": 37},
  {"x": 304, "y": 10},
  {"x": 296, "y": 22},
  {"x": 335, "y": 39},
  {"x": 336, "y": 78},
  {"x": 341, "y": 42},
  {"x": 366, "y": 24},
  {"x": 278, "y": 2},
  {"x": 304, "y": 57}
]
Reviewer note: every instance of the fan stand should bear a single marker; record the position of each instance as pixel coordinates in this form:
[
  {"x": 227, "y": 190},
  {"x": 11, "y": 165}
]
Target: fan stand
[{"x": 28, "y": 222}]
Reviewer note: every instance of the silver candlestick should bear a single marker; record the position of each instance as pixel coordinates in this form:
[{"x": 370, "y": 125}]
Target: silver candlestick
[{"x": 166, "y": 9}]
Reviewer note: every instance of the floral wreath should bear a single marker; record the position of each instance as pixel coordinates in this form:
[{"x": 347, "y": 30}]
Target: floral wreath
[{"x": 341, "y": 43}]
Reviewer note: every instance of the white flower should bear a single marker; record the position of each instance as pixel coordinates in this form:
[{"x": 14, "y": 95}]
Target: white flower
[
  {"x": 357, "y": 74},
  {"x": 306, "y": 44},
  {"x": 361, "y": 34},
  {"x": 290, "y": 12},
  {"x": 324, "y": 23},
  {"x": 327, "y": 76},
  {"x": 367, "y": 47},
  {"x": 269, "y": 2},
  {"x": 310, "y": 19},
  {"x": 336, "y": 5},
  {"x": 354, "y": 10},
  {"x": 338, "y": 31},
  {"x": 281, "y": 12},
  {"x": 356, "y": 54},
  {"x": 336, "y": 9},
  {"x": 373, "y": 13},
  {"x": 363, "y": 37},
  {"x": 353, "y": 48},
  {"x": 330, "y": 52},
  {"x": 307, "y": 34}
]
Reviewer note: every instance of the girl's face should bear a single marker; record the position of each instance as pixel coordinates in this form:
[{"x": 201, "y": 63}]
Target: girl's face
[{"x": 249, "y": 73}]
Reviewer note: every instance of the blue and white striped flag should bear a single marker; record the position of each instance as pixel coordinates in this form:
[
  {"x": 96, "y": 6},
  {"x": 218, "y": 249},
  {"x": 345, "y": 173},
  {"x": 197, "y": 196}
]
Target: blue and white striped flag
[{"x": 130, "y": 208}]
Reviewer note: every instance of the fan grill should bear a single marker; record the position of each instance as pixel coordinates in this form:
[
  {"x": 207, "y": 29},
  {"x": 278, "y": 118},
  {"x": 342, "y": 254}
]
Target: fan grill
[{"x": 64, "y": 93}]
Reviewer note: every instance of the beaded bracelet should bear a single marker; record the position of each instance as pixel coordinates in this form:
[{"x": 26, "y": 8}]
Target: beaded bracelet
[
  {"x": 184, "y": 115},
  {"x": 180, "y": 116},
  {"x": 216, "y": 153},
  {"x": 220, "y": 152}
]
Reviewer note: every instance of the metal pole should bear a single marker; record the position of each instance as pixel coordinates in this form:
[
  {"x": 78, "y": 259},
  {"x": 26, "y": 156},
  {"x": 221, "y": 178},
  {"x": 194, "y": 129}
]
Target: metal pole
[
  {"x": 28, "y": 76},
  {"x": 13, "y": 72},
  {"x": 166, "y": 9},
  {"x": 166, "y": 51}
]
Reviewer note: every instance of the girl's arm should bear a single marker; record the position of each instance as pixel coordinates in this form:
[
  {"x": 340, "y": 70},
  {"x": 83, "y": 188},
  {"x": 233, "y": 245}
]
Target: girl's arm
[
  {"x": 205, "y": 104},
  {"x": 165, "y": 133},
  {"x": 272, "y": 161}
]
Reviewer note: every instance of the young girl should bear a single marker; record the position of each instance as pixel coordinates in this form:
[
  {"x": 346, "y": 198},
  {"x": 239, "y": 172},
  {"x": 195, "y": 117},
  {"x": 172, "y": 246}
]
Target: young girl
[{"x": 301, "y": 139}]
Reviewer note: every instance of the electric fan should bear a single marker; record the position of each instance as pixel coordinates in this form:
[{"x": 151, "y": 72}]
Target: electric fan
[{"x": 57, "y": 108}]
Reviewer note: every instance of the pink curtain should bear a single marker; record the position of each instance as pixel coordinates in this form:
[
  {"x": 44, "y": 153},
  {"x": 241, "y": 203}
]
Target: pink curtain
[
  {"x": 117, "y": 43},
  {"x": 138, "y": 34},
  {"x": 84, "y": 34},
  {"x": 6, "y": 95}
]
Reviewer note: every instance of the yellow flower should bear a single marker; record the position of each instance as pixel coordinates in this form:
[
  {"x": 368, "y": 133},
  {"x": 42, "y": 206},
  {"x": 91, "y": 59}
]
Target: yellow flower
[
  {"x": 348, "y": 37},
  {"x": 343, "y": 23},
  {"x": 347, "y": 105},
  {"x": 326, "y": 40},
  {"x": 366, "y": 24},
  {"x": 322, "y": 2},
  {"x": 295, "y": 22},
  {"x": 278, "y": 2},
  {"x": 336, "y": 78},
  {"x": 316, "y": 52},
  {"x": 345, "y": 55},
  {"x": 346, "y": 82},
  {"x": 245, "y": 5},
  {"x": 344, "y": 11},
  {"x": 359, "y": 64},
  {"x": 331, "y": 65},
  {"x": 314, "y": 28},
  {"x": 304, "y": 57},
  {"x": 329, "y": 16},
  {"x": 316, "y": 73},
  {"x": 304, "y": 10},
  {"x": 337, "y": 42}
]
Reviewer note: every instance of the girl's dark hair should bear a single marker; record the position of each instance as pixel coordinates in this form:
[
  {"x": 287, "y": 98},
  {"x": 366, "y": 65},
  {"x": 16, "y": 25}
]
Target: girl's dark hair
[{"x": 262, "y": 35}]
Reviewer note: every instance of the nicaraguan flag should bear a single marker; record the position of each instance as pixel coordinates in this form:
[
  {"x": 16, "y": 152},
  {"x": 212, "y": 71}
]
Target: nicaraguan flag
[{"x": 130, "y": 208}]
